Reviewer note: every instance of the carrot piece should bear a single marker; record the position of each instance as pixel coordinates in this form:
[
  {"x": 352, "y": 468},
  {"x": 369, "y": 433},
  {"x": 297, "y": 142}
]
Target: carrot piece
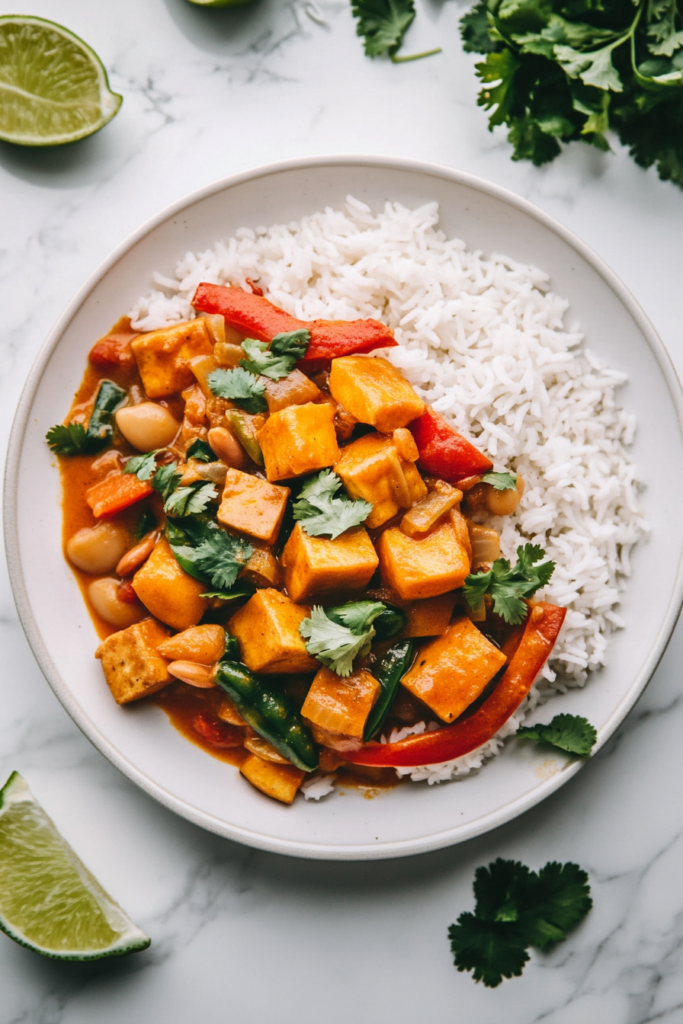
[{"x": 116, "y": 492}]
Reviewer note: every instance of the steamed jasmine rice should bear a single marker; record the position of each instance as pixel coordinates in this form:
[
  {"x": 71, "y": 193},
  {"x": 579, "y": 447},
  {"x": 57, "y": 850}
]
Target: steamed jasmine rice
[{"x": 484, "y": 341}]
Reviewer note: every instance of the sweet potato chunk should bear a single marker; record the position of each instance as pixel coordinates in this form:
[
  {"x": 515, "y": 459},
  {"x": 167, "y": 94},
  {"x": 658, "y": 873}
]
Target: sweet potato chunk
[
  {"x": 281, "y": 781},
  {"x": 267, "y": 627},
  {"x": 429, "y": 617},
  {"x": 372, "y": 468},
  {"x": 299, "y": 439},
  {"x": 451, "y": 671},
  {"x": 317, "y": 565},
  {"x": 131, "y": 663},
  {"x": 252, "y": 506},
  {"x": 295, "y": 389},
  {"x": 375, "y": 392},
  {"x": 168, "y": 591},
  {"x": 163, "y": 357},
  {"x": 426, "y": 567},
  {"x": 203, "y": 644},
  {"x": 338, "y": 705}
]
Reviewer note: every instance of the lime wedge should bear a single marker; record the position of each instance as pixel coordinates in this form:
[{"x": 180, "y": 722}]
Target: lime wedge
[
  {"x": 49, "y": 901},
  {"x": 53, "y": 88}
]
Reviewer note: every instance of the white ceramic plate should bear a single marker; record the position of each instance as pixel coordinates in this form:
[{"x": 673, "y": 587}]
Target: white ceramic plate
[{"x": 139, "y": 739}]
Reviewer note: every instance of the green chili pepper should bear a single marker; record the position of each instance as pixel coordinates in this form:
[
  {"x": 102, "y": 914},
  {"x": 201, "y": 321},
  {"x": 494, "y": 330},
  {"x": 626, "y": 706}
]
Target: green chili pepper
[
  {"x": 232, "y": 647},
  {"x": 100, "y": 431},
  {"x": 388, "y": 674},
  {"x": 269, "y": 712},
  {"x": 242, "y": 428},
  {"x": 389, "y": 623}
]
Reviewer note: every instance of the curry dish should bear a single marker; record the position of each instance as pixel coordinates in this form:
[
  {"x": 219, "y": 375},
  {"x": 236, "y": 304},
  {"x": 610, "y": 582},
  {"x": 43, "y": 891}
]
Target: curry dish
[{"x": 283, "y": 545}]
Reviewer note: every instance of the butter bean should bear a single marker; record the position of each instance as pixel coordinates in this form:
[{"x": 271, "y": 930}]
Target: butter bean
[
  {"x": 147, "y": 426},
  {"x": 97, "y": 549},
  {"x": 104, "y": 598}
]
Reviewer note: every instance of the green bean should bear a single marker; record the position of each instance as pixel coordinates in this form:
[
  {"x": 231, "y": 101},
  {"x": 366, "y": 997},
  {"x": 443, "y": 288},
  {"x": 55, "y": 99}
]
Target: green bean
[
  {"x": 241, "y": 426},
  {"x": 388, "y": 674}
]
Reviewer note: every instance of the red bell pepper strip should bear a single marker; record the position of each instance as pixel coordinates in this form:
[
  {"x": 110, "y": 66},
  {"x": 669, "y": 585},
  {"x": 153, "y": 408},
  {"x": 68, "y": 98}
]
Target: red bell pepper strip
[
  {"x": 443, "y": 451},
  {"x": 116, "y": 492},
  {"x": 256, "y": 317},
  {"x": 541, "y": 631}
]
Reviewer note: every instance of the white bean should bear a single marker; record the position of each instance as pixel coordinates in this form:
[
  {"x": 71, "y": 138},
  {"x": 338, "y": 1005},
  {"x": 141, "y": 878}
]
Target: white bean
[
  {"x": 104, "y": 598},
  {"x": 147, "y": 426},
  {"x": 97, "y": 549}
]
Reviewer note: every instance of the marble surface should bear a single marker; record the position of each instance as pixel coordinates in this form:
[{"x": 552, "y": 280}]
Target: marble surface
[{"x": 246, "y": 936}]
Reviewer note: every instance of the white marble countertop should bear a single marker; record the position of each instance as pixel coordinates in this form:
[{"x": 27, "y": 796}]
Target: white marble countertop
[{"x": 237, "y": 934}]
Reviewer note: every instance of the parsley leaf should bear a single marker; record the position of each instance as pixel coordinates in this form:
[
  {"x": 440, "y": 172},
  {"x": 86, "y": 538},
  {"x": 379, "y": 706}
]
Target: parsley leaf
[
  {"x": 67, "y": 440},
  {"x": 190, "y": 500},
  {"x": 322, "y": 513},
  {"x": 144, "y": 466},
  {"x": 336, "y": 643},
  {"x": 567, "y": 732},
  {"x": 382, "y": 24},
  {"x": 200, "y": 450},
  {"x": 277, "y": 359},
  {"x": 220, "y": 557},
  {"x": 239, "y": 386},
  {"x": 501, "y": 481},
  {"x": 509, "y": 586},
  {"x": 517, "y": 908},
  {"x": 166, "y": 479}
]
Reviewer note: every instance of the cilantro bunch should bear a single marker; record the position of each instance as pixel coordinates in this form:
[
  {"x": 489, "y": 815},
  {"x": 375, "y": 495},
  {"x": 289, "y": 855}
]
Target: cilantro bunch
[
  {"x": 509, "y": 586},
  {"x": 323, "y": 512},
  {"x": 558, "y": 71},
  {"x": 517, "y": 908}
]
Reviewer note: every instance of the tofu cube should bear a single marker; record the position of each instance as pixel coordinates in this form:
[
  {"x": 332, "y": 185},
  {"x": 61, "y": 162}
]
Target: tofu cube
[
  {"x": 163, "y": 356},
  {"x": 452, "y": 671},
  {"x": 341, "y": 706},
  {"x": 374, "y": 392},
  {"x": 281, "y": 781},
  {"x": 131, "y": 663},
  {"x": 372, "y": 468},
  {"x": 203, "y": 644},
  {"x": 315, "y": 566},
  {"x": 252, "y": 506},
  {"x": 429, "y": 617},
  {"x": 299, "y": 439},
  {"x": 267, "y": 628},
  {"x": 169, "y": 593},
  {"x": 419, "y": 568}
]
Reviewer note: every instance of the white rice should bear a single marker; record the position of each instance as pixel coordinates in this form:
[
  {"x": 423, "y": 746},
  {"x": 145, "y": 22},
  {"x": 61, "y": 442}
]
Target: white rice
[{"x": 483, "y": 340}]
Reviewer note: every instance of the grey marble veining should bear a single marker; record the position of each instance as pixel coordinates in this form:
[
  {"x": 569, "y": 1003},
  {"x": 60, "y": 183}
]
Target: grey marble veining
[{"x": 246, "y": 936}]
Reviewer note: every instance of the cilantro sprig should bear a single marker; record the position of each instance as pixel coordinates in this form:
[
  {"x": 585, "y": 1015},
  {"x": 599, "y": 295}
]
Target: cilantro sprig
[
  {"x": 67, "y": 440},
  {"x": 323, "y": 512},
  {"x": 278, "y": 359},
  {"x": 190, "y": 500},
  {"x": 517, "y": 908},
  {"x": 336, "y": 644},
  {"x": 144, "y": 466},
  {"x": 508, "y": 586},
  {"x": 201, "y": 451},
  {"x": 571, "y": 733},
  {"x": 208, "y": 553},
  {"x": 382, "y": 24},
  {"x": 500, "y": 481},
  {"x": 240, "y": 386}
]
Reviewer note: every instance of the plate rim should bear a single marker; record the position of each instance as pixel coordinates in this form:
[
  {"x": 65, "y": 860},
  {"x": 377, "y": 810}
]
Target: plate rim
[{"x": 298, "y": 848}]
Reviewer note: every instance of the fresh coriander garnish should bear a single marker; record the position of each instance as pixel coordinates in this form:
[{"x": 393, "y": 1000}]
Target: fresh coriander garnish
[
  {"x": 279, "y": 358},
  {"x": 500, "y": 481},
  {"x": 200, "y": 450},
  {"x": 230, "y": 595},
  {"x": 517, "y": 908},
  {"x": 382, "y": 24},
  {"x": 567, "y": 732},
  {"x": 74, "y": 439},
  {"x": 239, "y": 386},
  {"x": 336, "y": 644},
  {"x": 144, "y": 466},
  {"x": 166, "y": 479},
  {"x": 509, "y": 586},
  {"x": 190, "y": 500},
  {"x": 67, "y": 440},
  {"x": 322, "y": 512},
  {"x": 213, "y": 556}
]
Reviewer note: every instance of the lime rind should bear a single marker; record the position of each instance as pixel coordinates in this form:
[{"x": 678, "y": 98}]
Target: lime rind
[
  {"x": 49, "y": 901},
  {"x": 53, "y": 86}
]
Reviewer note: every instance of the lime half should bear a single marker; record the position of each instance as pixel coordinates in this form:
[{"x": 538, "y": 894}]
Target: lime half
[
  {"x": 49, "y": 901},
  {"x": 53, "y": 88}
]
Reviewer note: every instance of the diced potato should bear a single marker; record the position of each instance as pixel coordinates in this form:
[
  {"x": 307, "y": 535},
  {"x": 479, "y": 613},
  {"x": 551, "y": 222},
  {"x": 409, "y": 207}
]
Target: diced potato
[
  {"x": 203, "y": 644},
  {"x": 371, "y": 468},
  {"x": 318, "y": 565},
  {"x": 429, "y": 617},
  {"x": 339, "y": 705},
  {"x": 281, "y": 781},
  {"x": 427, "y": 567},
  {"x": 169, "y": 593},
  {"x": 262, "y": 569},
  {"x": 267, "y": 627},
  {"x": 299, "y": 439},
  {"x": 422, "y": 517},
  {"x": 451, "y": 671},
  {"x": 132, "y": 665},
  {"x": 252, "y": 506},
  {"x": 295, "y": 389},
  {"x": 375, "y": 392},
  {"x": 163, "y": 357}
]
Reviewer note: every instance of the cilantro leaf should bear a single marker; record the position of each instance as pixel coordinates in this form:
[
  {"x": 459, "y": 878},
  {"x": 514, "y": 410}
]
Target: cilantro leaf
[
  {"x": 67, "y": 440},
  {"x": 567, "y": 732},
  {"x": 291, "y": 343},
  {"x": 357, "y": 615},
  {"x": 144, "y": 466},
  {"x": 230, "y": 595},
  {"x": 662, "y": 37},
  {"x": 322, "y": 513},
  {"x": 239, "y": 386},
  {"x": 495, "y": 889},
  {"x": 501, "y": 481},
  {"x": 166, "y": 479},
  {"x": 220, "y": 557},
  {"x": 190, "y": 500},
  {"x": 509, "y": 586},
  {"x": 382, "y": 24},
  {"x": 554, "y": 900},
  {"x": 279, "y": 358},
  {"x": 200, "y": 450},
  {"x": 475, "y": 30},
  {"x": 490, "y": 949},
  {"x": 336, "y": 645}
]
